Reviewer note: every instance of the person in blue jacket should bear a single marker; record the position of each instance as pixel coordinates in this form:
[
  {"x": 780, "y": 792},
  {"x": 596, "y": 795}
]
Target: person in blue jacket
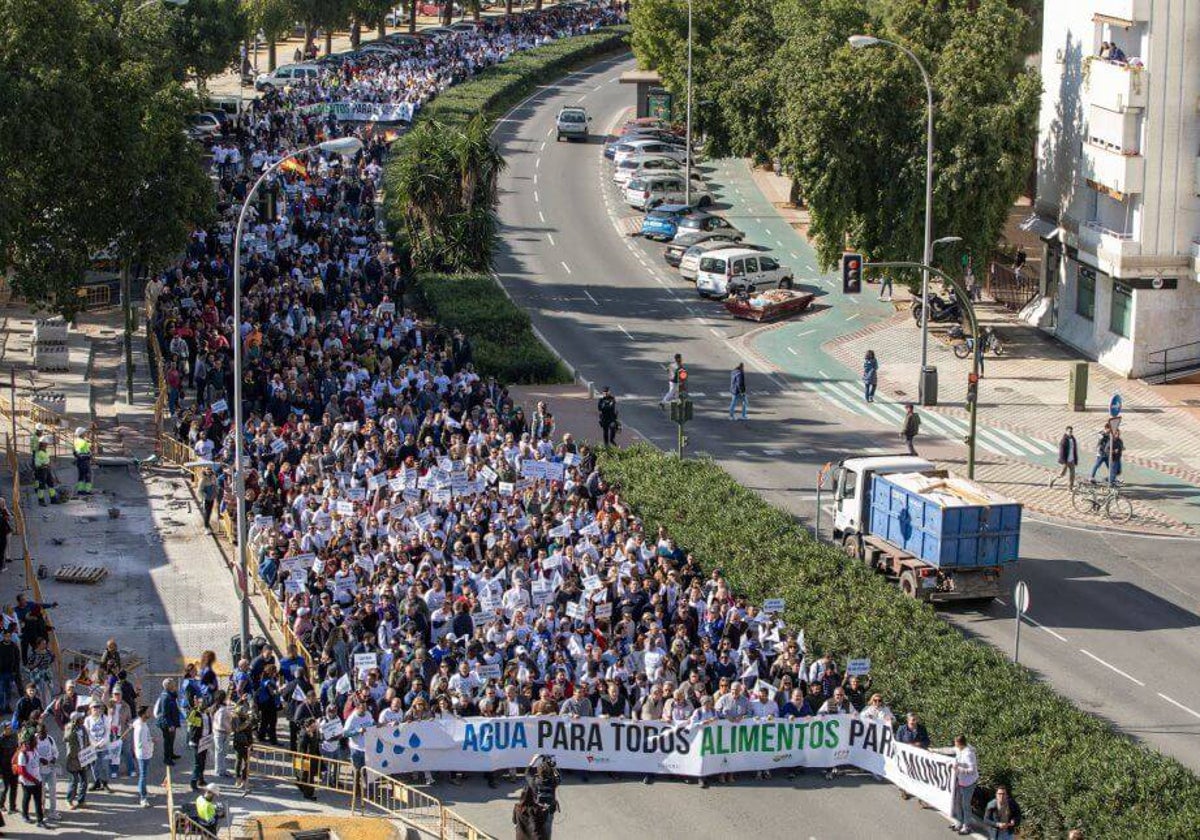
[{"x": 168, "y": 719}]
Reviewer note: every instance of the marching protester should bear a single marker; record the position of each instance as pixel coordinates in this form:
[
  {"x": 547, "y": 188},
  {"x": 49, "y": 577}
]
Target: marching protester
[
  {"x": 1068, "y": 458},
  {"x": 607, "y": 408},
  {"x": 1003, "y": 815}
]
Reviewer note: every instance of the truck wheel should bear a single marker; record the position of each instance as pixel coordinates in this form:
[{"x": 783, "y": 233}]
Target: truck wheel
[{"x": 909, "y": 584}]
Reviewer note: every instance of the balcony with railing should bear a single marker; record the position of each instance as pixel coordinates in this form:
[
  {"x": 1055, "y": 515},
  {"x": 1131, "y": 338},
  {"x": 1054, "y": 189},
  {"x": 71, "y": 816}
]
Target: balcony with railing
[
  {"x": 1122, "y": 10},
  {"x": 1115, "y": 86},
  {"x": 1104, "y": 242},
  {"x": 1114, "y": 172}
]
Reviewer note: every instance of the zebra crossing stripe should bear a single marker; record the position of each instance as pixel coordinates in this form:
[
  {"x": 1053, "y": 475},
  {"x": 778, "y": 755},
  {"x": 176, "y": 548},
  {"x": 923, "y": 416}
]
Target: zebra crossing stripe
[{"x": 1025, "y": 443}]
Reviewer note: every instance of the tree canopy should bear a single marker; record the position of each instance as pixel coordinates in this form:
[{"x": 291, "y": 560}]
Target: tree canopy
[{"x": 776, "y": 78}]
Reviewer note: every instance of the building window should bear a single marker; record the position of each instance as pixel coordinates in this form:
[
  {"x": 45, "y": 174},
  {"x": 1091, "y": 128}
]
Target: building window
[
  {"x": 1085, "y": 294},
  {"x": 1120, "y": 320}
]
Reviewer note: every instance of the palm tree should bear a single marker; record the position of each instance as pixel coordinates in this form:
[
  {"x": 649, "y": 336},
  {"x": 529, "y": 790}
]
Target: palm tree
[{"x": 443, "y": 188}]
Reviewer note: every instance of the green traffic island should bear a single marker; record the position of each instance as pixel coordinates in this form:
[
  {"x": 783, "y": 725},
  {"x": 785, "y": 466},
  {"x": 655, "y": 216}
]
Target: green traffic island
[
  {"x": 1068, "y": 768},
  {"x": 503, "y": 344}
]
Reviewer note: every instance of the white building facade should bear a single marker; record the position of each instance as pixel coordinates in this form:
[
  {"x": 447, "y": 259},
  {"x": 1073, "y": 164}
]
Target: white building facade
[{"x": 1119, "y": 181}]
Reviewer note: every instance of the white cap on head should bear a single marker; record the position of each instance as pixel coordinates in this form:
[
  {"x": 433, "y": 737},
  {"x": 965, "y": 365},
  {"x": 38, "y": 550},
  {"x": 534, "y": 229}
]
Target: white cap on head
[{"x": 80, "y": 432}]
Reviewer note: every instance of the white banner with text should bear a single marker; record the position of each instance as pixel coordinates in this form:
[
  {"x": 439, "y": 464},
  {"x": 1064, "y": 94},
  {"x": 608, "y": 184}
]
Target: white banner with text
[
  {"x": 386, "y": 112},
  {"x": 628, "y": 746}
]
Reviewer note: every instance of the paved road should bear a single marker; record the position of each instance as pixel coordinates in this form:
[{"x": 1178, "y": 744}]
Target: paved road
[{"x": 1117, "y": 622}]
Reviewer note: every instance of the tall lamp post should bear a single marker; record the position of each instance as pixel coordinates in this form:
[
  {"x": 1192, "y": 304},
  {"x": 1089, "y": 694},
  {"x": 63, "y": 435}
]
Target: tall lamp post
[
  {"x": 341, "y": 146},
  {"x": 860, "y": 42},
  {"x": 126, "y": 280}
]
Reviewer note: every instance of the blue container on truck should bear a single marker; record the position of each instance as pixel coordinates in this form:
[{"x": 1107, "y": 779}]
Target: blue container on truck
[{"x": 947, "y": 522}]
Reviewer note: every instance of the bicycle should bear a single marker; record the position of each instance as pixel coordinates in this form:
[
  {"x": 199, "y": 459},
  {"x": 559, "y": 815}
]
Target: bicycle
[
  {"x": 965, "y": 345},
  {"x": 1090, "y": 498}
]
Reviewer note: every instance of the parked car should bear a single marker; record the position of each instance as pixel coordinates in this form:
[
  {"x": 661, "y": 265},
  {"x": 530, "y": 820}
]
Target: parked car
[
  {"x": 705, "y": 223},
  {"x": 725, "y": 271},
  {"x": 403, "y": 39},
  {"x": 286, "y": 75},
  {"x": 650, "y": 147},
  {"x": 203, "y": 126},
  {"x": 689, "y": 263},
  {"x": 685, "y": 239},
  {"x": 662, "y": 222},
  {"x": 654, "y": 190},
  {"x": 643, "y": 166},
  {"x": 571, "y": 123},
  {"x": 465, "y": 26}
]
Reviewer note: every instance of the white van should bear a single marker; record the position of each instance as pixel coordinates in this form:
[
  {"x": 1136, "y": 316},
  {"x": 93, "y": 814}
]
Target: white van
[
  {"x": 643, "y": 165},
  {"x": 649, "y": 192},
  {"x": 728, "y": 270},
  {"x": 286, "y": 75}
]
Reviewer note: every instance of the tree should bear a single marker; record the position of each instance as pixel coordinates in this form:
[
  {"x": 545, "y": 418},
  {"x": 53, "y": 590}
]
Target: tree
[
  {"x": 273, "y": 18},
  {"x": 849, "y": 125},
  {"x": 443, "y": 189},
  {"x": 206, "y": 35}
]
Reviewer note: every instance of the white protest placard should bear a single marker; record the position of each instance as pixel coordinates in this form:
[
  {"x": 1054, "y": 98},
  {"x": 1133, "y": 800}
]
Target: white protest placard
[
  {"x": 483, "y": 617},
  {"x": 377, "y": 481},
  {"x": 364, "y": 662},
  {"x": 298, "y": 694},
  {"x": 331, "y": 729},
  {"x": 278, "y": 445},
  {"x": 603, "y": 611},
  {"x": 87, "y": 756},
  {"x": 591, "y": 582},
  {"x": 442, "y": 495},
  {"x": 424, "y": 520},
  {"x": 444, "y": 463},
  {"x": 297, "y": 562},
  {"x": 506, "y": 488},
  {"x": 219, "y": 406},
  {"x": 592, "y": 529},
  {"x": 570, "y": 459},
  {"x": 342, "y": 686},
  {"x": 294, "y": 585},
  {"x": 532, "y": 469},
  {"x": 858, "y": 667},
  {"x": 396, "y": 484},
  {"x": 261, "y": 521},
  {"x": 773, "y": 605},
  {"x": 552, "y": 562},
  {"x": 575, "y": 610},
  {"x": 205, "y": 743},
  {"x": 344, "y": 507},
  {"x": 553, "y": 471},
  {"x": 356, "y": 494},
  {"x": 488, "y": 672},
  {"x": 490, "y": 474},
  {"x": 560, "y": 531}
]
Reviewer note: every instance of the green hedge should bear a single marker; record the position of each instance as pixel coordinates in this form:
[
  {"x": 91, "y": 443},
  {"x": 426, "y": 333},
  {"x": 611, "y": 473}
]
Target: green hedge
[
  {"x": 500, "y": 333},
  {"x": 1068, "y": 769}
]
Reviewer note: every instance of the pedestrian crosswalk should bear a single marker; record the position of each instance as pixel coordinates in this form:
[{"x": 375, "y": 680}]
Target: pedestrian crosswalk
[{"x": 848, "y": 396}]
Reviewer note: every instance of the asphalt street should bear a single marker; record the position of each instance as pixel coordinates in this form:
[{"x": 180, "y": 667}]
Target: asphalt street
[{"x": 1114, "y": 616}]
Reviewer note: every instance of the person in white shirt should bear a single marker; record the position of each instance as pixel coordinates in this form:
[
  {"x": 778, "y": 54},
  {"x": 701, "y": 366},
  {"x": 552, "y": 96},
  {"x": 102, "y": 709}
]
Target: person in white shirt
[
  {"x": 355, "y": 729},
  {"x": 393, "y": 714},
  {"x": 875, "y": 710},
  {"x": 966, "y": 767},
  {"x": 47, "y": 752},
  {"x": 222, "y": 727},
  {"x": 143, "y": 751}
]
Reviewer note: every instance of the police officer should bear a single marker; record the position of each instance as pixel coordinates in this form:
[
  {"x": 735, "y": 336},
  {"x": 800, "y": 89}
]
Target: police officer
[
  {"x": 607, "y": 408},
  {"x": 42, "y": 473},
  {"x": 83, "y": 463},
  {"x": 542, "y": 778}
]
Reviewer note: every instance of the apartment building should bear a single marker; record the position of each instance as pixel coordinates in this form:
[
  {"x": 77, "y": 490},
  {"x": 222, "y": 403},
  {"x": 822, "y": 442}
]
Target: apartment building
[{"x": 1118, "y": 187}]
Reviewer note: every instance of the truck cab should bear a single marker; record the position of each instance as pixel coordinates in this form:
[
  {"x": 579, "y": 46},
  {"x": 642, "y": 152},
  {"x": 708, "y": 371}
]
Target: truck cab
[{"x": 852, "y": 494}]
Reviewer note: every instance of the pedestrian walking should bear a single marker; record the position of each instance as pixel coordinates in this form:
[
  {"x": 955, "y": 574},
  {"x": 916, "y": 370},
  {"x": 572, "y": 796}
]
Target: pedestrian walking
[
  {"x": 208, "y": 495},
  {"x": 606, "y": 406},
  {"x": 1116, "y": 451},
  {"x": 8, "y": 749},
  {"x": 870, "y": 375},
  {"x": 1068, "y": 457},
  {"x": 199, "y": 738},
  {"x": 912, "y": 426},
  {"x": 47, "y": 751},
  {"x": 99, "y": 731},
  {"x": 243, "y": 724},
  {"x": 1003, "y": 815},
  {"x": 737, "y": 391},
  {"x": 885, "y": 287},
  {"x": 1019, "y": 260},
  {"x": 966, "y": 767},
  {"x": 75, "y": 742},
  {"x": 1103, "y": 447},
  {"x": 222, "y": 728},
  {"x": 673, "y": 370},
  {"x": 143, "y": 751},
  {"x": 29, "y": 773}
]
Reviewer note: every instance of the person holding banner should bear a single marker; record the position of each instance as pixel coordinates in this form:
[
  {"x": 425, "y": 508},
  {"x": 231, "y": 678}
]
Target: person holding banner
[
  {"x": 966, "y": 774},
  {"x": 79, "y": 756}
]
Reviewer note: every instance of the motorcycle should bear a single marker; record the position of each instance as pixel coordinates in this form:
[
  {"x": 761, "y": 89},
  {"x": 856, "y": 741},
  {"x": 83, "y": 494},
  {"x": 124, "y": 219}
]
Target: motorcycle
[
  {"x": 964, "y": 345},
  {"x": 940, "y": 310}
]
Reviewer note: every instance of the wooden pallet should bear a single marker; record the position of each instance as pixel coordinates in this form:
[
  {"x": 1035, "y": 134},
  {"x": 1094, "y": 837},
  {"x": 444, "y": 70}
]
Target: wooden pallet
[{"x": 80, "y": 574}]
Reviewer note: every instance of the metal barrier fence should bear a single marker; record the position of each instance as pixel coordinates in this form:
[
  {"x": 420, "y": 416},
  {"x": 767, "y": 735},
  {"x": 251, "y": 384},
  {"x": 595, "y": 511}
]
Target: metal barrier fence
[
  {"x": 411, "y": 806},
  {"x": 455, "y": 827},
  {"x": 284, "y": 765}
]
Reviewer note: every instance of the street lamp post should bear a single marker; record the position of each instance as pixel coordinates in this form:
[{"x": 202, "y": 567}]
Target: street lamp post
[
  {"x": 342, "y": 146},
  {"x": 687, "y": 175},
  {"x": 860, "y": 42}
]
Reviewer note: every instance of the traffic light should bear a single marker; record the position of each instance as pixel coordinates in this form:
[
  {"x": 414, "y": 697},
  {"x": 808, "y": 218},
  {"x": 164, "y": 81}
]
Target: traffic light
[
  {"x": 972, "y": 387},
  {"x": 683, "y": 382},
  {"x": 852, "y": 274}
]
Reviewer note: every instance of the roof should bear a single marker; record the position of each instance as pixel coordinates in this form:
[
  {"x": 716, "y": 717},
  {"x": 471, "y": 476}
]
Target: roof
[{"x": 636, "y": 77}]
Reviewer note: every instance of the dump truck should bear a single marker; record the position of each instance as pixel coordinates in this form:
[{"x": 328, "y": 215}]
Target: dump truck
[{"x": 940, "y": 537}]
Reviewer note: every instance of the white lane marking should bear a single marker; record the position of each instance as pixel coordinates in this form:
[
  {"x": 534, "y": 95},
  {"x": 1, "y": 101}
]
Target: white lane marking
[
  {"x": 592, "y": 299},
  {"x": 824, "y": 375},
  {"x": 535, "y": 174},
  {"x": 777, "y": 242},
  {"x": 793, "y": 253},
  {"x": 793, "y": 352},
  {"x": 1112, "y": 668},
  {"x": 540, "y": 216},
  {"x": 622, "y": 329},
  {"x": 1021, "y": 442},
  {"x": 854, "y": 317},
  {"x": 715, "y": 331},
  {"x": 548, "y": 133},
  {"x": 1179, "y": 705},
  {"x": 597, "y": 87},
  {"x": 1041, "y": 626},
  {"x": 543, "y": 148},
  {"x": 535, "y": 196},
  {"x": 565, "y": 266},
  {"x": 550, "y": 236},
  {"x": 583, "y": 97},
  {"x": 806, "y": 332}
]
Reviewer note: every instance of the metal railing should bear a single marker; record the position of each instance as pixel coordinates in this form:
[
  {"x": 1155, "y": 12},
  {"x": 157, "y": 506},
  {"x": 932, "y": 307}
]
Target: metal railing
[
  {"x": 283, "y": 765},
  {"x": 455, "y": 827},
  {"x": 400, "y": 801},
  {"x": 1181, "y": 357}
]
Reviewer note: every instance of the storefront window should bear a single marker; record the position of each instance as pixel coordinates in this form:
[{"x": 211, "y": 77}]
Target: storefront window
[
  {"x": 1085, "y": 294},
  {"x": 1120, "y": 320}
]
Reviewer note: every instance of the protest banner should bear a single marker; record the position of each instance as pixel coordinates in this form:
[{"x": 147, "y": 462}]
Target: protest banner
[
  {"x": 858, "y": 667},
  {"x": 650, "y": 747},
  {"x": 331, "y": 729},
  {"x": 354, "y": 111}
]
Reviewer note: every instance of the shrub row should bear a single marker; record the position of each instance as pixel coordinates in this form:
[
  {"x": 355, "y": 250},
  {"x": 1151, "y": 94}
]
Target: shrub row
[
  {"x": 1068, "y": 768},
  {"x": 501, "y": 335}
]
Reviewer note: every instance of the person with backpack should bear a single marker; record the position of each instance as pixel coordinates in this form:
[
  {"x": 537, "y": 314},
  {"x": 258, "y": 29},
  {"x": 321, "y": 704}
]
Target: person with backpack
[{"x": 168, "y": 719}]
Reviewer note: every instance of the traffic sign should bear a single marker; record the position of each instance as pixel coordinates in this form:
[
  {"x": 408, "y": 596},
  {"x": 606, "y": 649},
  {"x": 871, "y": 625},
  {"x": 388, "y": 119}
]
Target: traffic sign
[
  {"x": 1114, "y": 406},
  {"x": 1021, "y": 596}
]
